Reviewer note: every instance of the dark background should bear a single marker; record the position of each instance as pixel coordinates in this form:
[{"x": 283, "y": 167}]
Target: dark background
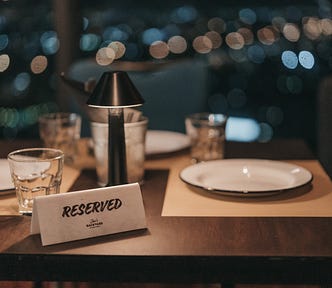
[{"x": 281, "y": 100}]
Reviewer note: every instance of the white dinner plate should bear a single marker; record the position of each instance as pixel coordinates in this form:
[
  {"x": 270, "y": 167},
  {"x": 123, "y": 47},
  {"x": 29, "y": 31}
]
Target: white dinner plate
[
  {"x": 160, "y": 142},
  {"x": 245, "y": 177},
  {"x": 5, "y": 178}
]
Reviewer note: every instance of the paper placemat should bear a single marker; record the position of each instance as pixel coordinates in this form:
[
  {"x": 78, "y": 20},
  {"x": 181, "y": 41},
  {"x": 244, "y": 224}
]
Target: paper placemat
[
  {"x": 309, "y": 201},
  {"x": 8, "y": 202}
]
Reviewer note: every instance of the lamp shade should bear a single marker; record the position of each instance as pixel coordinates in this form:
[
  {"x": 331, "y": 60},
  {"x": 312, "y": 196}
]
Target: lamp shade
[{"x": 115, "y": 90}]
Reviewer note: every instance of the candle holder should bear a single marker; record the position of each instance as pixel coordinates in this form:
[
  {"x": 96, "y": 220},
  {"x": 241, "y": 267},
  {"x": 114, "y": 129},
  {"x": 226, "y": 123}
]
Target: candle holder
[{"x": 115, "y": 91}]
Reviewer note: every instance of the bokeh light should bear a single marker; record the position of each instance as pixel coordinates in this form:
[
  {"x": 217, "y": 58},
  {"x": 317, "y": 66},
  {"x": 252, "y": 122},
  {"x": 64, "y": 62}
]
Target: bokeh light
[
  {"x": 242, "y": 129},
  {"x": 115, "y": 34},
  {"x": 171, "y": 30},
  {"x": 4, "y": 62},
  {"x": 22, "y": 82},
  {"x": 152, "y": 35},
  {"x": 177, "y": 44},
  {"x": 217, "y": 24},
  {"x": 267, "y": 35},
  {"x": 256, "y": 54},
  {"x": 105, "y": 56},
  {"x": 38, "y": 64},
  {"x": 274, "y": 115},
  {"x": 247, "y": 35},
  {"x": 217, "y": 59},
  {"x": 49, "y": 42},
  {"x": 85, "y": 23},
  {"x": 9, "y": 117},
  {"x": 312, "y": 27},
  {"x": 202, "y": 44},
  {"x": 266, "y": 132},
  {"x": 239, "y": 56},
  {"x": 294, "y": 84},
  {"x": 159, "y": 50},
  {"x": 118, "y": 48},
  {"x": 235, "y": 40},
  {"x": 184, "y": 14},
  {"x": 248, "y": 16},
  {"x": 326, "y": 25},
  {"x": 278, "y": 22},
  {"x": 89, "y": 42},
  {"x": 306, "y": 59},
  {"x": 13, "y": 117},
  {"x": 289, "y": 59},
  {"x": 4, "y": 40},
  {"x": 291, "y": 32},
  {"x": 215, "y": 39}
]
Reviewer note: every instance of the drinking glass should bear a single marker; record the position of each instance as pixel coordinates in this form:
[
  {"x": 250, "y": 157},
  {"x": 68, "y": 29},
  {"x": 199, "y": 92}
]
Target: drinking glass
[
  {"x": 35, "y": 172},
  {"x": 207, "y": 135},
  {"x": 61, "y": 131},
  {"x": 135, "y": 133}
]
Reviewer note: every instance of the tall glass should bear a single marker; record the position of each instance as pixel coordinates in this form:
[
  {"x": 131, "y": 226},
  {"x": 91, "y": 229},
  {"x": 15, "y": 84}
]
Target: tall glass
[{"x": 135, "y": 133}]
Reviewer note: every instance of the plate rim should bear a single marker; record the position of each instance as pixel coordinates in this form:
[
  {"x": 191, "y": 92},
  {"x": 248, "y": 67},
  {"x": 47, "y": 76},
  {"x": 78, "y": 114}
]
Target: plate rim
[{"x": 249, "y": 193}]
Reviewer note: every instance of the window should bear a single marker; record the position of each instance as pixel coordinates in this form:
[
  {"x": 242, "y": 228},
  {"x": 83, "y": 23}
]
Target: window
[{"x": 266, "y": 58}]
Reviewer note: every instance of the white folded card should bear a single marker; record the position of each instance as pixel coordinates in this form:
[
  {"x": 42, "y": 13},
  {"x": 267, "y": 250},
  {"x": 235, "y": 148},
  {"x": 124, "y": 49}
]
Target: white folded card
[{"x": 88, "y": 213}]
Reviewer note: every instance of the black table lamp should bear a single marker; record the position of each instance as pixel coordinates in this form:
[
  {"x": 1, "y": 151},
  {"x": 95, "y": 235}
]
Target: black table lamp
[{"x": 115, "y": 91}]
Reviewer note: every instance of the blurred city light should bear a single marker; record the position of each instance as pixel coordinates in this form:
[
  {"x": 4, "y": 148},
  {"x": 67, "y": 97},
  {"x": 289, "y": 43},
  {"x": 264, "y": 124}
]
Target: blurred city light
[
  {"x": 38, "y": 64},
  {"x": 202, "y": 44},
  {"x": 152, "y": 35},
  {"x": 4, "y": 40},
  {"x": 235, "y": 40},
  {"x": 4, "y": 62},
  {"x": 259, "y": 57},
  {"x": 247, "y": 16},
  {"x": 177, "y": 44},
  {"x": 184, "y": 14},
  {"x": 242, "y": 129},
  {"x": 306, "y": 59},
  {"x": 89, "y": 42},
  {"x": 159, "y": 50},
  {"x": 105, "y": 56},
  {"x": 289, "y": 59},
  {"x": 49, "y": 42}
]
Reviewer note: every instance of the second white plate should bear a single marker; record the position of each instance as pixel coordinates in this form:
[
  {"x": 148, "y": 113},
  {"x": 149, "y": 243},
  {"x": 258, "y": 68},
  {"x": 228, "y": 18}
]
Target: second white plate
[
  {"x": 245, "y": 177},
  {"x": 160, "y": 142}
]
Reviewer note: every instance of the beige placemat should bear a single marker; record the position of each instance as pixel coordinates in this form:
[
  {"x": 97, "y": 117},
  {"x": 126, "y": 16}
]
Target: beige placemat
[
  {"x": 311, "y": 200},
  {"x": 8, "y": 202}
]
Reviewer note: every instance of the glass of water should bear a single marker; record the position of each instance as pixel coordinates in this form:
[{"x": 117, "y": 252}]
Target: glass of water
[
  {"x": 35, "y": 172},
  {"x": 207, "y": 135},
  {"x": 61, "y": 131}
]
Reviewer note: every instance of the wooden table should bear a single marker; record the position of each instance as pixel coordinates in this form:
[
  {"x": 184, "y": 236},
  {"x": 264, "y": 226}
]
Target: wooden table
[{"x": 179, "y": 249}]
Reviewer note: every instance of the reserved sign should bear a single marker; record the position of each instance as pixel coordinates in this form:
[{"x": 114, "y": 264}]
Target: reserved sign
[{"x": 88, "y": 213}]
